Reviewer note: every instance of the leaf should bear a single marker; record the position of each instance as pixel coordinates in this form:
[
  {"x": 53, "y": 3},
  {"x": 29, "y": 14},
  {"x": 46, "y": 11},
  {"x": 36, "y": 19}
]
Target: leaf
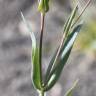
[
  {"x": 36, "y": 71},
  {"x": 70, "y": 91},
  {"x": 66, "y": 29},
  {"x": 49, "y": 68},
  {"x": 35, "y": 57},
  {"x": 31, "y": 34},
  {"x": 55, "y": 74},
  {"x": 70, "y": 21},
  {"x": 64, "y": 55}
]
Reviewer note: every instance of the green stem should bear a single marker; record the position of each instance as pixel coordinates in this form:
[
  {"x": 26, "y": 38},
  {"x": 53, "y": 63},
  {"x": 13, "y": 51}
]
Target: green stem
[
  {"x": 41, "y": 93},
  {"x": 40, "y": 46}
]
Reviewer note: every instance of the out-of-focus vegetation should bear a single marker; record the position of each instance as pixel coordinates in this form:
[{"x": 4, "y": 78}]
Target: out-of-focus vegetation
[
  {"x": 15, "y": 47},
  {"x": 87, "y": 38}
]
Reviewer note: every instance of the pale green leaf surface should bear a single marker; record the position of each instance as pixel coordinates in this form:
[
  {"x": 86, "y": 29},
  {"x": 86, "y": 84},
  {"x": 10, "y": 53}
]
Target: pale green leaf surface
[
  {"x": 36, "y": 71},
  {"x": 31, "y": 34},
  {"x": 35, "y": 57}
]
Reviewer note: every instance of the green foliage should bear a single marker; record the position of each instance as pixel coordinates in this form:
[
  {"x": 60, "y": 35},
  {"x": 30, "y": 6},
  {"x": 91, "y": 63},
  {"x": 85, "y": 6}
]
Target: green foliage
[
  {"x": 68, "y": 24},
  {"x": 35, "y": 58},
  {"x": 54, "y": 70},
  {"x": 60, "y": 57},
  {"x": 66, "y": 29},
  {"x": 89, "y": 37}
]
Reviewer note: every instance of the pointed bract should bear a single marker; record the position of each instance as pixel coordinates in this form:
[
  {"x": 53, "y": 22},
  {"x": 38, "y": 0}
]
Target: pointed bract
[{"x": 35, "y": 58}]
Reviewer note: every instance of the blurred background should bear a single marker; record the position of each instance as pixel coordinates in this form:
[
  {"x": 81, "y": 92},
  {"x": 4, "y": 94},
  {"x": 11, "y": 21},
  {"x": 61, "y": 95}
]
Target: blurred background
[{"x": 15, "y": 47}]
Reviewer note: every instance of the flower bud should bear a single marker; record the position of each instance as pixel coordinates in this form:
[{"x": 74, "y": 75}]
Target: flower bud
[{"x": 43, "y": 6}]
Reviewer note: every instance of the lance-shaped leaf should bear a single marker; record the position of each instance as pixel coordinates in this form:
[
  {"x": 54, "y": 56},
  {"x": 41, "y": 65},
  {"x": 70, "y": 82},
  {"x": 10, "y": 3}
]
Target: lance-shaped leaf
[
  {"x": 70, "y": 91},
  {"x": 66, "y": 29},
  {"x": 64, "y": 54},
  {"x": 43, "y": 6},
  {"x": 36, "y": 70},
  {"x": 70, "y": 20},
  {"x": 35, "y": 57}
]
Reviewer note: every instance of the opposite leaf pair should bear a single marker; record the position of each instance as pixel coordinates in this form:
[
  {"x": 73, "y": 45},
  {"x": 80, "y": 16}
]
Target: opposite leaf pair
[
  {"x": 61, "y": 55},
  {"x": 59, "y": 59}
]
